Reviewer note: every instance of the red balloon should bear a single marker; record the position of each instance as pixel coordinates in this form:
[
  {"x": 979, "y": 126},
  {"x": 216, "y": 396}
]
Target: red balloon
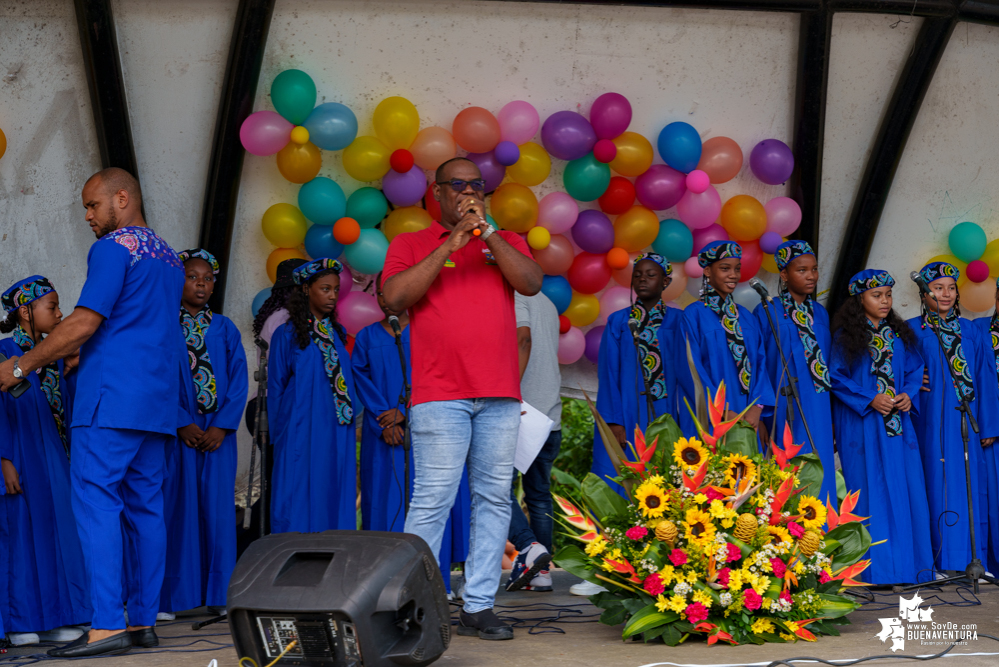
[
  {"x": 401, "y": 161},
  {"x": 752, "y": 260},
  {"x": 564, "y": 324},
  {"x": 589, "y": 273},
  {"x": 619, "y": 197},
  {"x": 605, "y": 150},
  {"x": 432, "y": 205},
  {"x": 557, "y": 257}
]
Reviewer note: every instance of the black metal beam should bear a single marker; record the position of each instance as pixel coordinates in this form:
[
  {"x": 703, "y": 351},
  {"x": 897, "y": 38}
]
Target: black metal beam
[
  {"x": 886, "y": 153},
  {"x": 239, "y": 87},
  {"x": 744, "y": 5},
  {"x": 107, "y": 87},
  {"x": 979, "y": 11}
]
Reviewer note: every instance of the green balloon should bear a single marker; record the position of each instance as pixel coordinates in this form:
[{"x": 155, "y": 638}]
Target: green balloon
[
  {"x": 492, "y": 222},
  {"x": 967, "y": 241},
  {"x": 368, "y": 206},
  {"x": 587, "y": 178},
  {"x": 293, "y": 95}
]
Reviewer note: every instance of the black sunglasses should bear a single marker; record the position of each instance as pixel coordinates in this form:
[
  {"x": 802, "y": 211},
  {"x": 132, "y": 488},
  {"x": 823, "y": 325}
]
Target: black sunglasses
[{"x": 458, "y": 185}]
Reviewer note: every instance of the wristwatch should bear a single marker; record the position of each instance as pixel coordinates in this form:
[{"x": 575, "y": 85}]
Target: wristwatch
[{"x": 17, "y": 371}]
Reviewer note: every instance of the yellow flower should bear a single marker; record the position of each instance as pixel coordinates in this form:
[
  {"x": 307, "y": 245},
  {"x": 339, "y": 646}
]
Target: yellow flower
[
  {"x": 717, "y": 509},
  {"x": 677, "y": 603},
  {"x": 778, "y": 534},
  {"x": 799, "y": 567},
  {"x": 727, "y": 523},
  {"x": 666, "y": 574},
  {"x": 700, "y": 499},
  {"x": 761, "y": 585},
  {"x": 662, "y": 604},
  {"x": 692, "y": 577},
  {"x": 700, "y": 529},
  {"x": 656, "y": 479},
  {"x": 688, "y": 453},
  {"x": 767, "y": 603},
  {"x": 596, "y": 547},
  {"x": 651, "y": 500},
  {"x": 703, "y": 598},
  {"x": 613, "y": 555},
  {"x": 739, "y": 466},
  {"x": 788, "y": 638},
  {"x": 792, "y": 626},
  {"x": 735, "y": 580},
  {"x": 761, "y": 626},
  {"x": 813, "y": 513}
]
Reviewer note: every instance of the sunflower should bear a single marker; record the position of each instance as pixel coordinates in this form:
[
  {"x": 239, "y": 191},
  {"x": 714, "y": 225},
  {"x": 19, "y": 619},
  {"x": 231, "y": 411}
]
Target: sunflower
[
  {"x": 688, "y": 453},
  {"x": 651, "y": 500},
  {"x": 700, "y": 529},
  {"x": 739, "y": 467},
  {"x": 813, "y": 513},
  {"x": 778, "y": 534}
]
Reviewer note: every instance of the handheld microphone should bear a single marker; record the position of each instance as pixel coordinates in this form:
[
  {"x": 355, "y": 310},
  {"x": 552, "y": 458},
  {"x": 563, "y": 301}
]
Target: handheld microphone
[
  {"x": 633, "y": 324},
  {"x": 394, "y": 323},
  {"x": 759, "y": 288},
  {"x": 923, "y": 287}
]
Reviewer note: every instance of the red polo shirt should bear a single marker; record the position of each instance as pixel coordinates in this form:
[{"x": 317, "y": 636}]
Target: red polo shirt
[{"x": 463, "y": 331}]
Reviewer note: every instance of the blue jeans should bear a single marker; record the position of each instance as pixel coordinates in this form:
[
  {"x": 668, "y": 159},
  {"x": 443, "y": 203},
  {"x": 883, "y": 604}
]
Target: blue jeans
[
  {"x": 538, "y": 497},
  {"x": 446, "y": 435}
]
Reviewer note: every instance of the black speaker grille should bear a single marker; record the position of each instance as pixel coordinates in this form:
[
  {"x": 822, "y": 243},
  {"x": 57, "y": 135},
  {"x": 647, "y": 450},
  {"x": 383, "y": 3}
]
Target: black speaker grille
[
  {"x": 429, "y": 568},
  {"x": 314, "y": 641},
  {"x": 446, "y": 634}
]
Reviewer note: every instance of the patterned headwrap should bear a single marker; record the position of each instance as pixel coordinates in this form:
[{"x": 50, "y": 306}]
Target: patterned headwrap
[
  {"x": 305, "y": 272},
  {"x": 24, "y": 292},
  {"x": 658, "y": 259},
  {"x": 718, "y": 250},
  {"x": 198, "y": 253},
  {"x": 936, "y": 270},
  {"x": 868, "y": 279},
  {"x": 789, "y": 251}
]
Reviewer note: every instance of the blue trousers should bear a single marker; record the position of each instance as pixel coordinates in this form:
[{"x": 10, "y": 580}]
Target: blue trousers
[
  {"x": 538, "y": 498},
  {"x": 117, "y": 477}
]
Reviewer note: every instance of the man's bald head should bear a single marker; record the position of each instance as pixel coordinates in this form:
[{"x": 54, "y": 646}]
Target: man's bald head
[
  {"x": 115, "y": 179},
  {"x": 113, "y": 199}
]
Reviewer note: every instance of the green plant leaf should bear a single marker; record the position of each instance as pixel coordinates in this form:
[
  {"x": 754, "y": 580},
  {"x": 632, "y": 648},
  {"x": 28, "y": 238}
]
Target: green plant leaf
[
  {"x": 854, "y": 541},
  {"x": 614, "y": 616},
  {"x": 741, "y": 439},
  {"x": 671, "y": 635},
  {"x": 654, "y": 633},
  {"x": 840, "y": 488},
  {"x": 572, "y": 559},
  {"x": 700, "y": 397},
  {"x": 634, "y": 605},
  {"x": 602, "y": 500},
  {"x": 810, "y": 474},
  {"x": 666, "y": 430},
  {"x": 566, "y": 479},
  {"x": 611, "y": 444},
  {"x": 836, "y": 606},
  {"x": 646, "y": 619}
]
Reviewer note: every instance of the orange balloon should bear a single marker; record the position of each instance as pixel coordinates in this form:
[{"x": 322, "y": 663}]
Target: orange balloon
[
  {"x": 476, "y": 130},
  {"x": 279, "y": 256},
  {"x": 622, "y": 276},
  {"x": 635, "y": 229},
  {"x": 721, "y": 159},
  {"x": 744, "y": 218},
  {"x": 346, "y": 231},
  {"x": 634, "y": 154},
  {"x": 515, "y": 207},
  {"x": 405, "y": 219},
  {"x": 299, "y": 163},
  {"x": 617, "y": 258},
  {"x": 677, "y": 284},
  {"x": 433, "y": 146}
]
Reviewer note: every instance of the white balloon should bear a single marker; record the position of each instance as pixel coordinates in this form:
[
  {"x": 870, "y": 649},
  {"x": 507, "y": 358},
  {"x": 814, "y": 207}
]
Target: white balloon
[{"x": 745, "y": 296}]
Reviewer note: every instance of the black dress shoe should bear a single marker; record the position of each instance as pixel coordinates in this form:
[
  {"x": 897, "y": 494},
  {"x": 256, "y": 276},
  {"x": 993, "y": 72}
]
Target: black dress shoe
[
  {"x": 144, "y": 638},
  {"x": 485, "y": 624},
  {"x": 113, "y": 645}
]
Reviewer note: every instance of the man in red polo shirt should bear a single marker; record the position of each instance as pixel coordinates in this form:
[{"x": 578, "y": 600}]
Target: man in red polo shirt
[{"x": 459, "y": 289}]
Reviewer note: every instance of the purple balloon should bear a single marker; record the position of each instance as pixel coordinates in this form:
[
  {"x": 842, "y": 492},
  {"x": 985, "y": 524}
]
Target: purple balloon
[
  {"x": 507, "y": 153},
  {"x": 610, "y": 115},
  {"x": 709, "y": 234},
  {"x": 770, "y": 241},
  {"x": 772, "y": 161},
  {"x": 490, "y": 168},
  {"x": 661, "y": 187},
  {"x": 593, "y": 232},
  {"x": 592, "y": 350},
  {"x": 404, "y": 189},
  {"x": 567, "y": 135}
]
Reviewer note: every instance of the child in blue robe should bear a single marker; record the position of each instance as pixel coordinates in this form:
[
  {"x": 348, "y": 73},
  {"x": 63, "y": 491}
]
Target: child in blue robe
[
  {"x": 876, "y": 371},
  {"x": 803, "y": 325},
  {"x": 198, "y": 488},
  {"x": 44, "y": 585},
  {"x": 938, "y": 423},
  {"x": 988, "y": 329},
  {"x": 310, "y": 402}
]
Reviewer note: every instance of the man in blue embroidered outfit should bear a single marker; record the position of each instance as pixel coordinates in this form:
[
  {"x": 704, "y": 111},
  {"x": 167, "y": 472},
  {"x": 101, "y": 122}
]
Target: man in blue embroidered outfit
[{"x": 130, "y": 363}]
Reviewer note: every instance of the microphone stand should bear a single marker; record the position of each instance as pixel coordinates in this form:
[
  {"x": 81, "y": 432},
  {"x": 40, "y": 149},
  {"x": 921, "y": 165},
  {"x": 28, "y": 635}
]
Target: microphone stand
[
  {"x": 633, "y": 325},
  {"x": 404, "y": 398}
]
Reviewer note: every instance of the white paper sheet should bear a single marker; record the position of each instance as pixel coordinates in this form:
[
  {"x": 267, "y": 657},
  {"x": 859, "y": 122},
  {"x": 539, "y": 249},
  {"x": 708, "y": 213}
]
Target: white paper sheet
[{"x": 534, "y": 429}]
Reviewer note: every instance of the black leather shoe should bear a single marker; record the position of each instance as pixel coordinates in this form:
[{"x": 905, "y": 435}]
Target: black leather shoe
[
  {"x": 485, "y": 624},
  {"x": 144, "y": 638},
  {"x": 113, "y": 645}
]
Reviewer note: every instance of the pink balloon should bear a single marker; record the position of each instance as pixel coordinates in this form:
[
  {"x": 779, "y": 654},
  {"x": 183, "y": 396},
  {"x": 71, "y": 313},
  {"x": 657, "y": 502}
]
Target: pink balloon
[
  {"x": 557, "y": 212},
  {"x": 612, "y": 300},
  {"x": 692, "y": 268},
  {"x": 571, "y": 346},
  {"x": 698, "y": 211},
  {"x": 610, "y": 115},
  {"x": 705, "y": 235},
  {"x": 357, "y": 310},
  {"x": 346, "y": 281},
  {"x": 265, "y": 132},
  {"x": 783, "y": 215},
  {"x": 698, "y": 181},
  {"x": 556, "y": 258},
  {"x": 977, "y": 271},
  {"x": 660, "y": 187},
  {"x": 518, "y": 121}
]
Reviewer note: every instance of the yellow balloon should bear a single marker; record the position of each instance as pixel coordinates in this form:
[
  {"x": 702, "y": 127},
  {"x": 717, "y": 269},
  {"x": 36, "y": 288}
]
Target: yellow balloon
[
  {"x": 405, "y": 219},
  {"x": 299, "y": 134},
  {"x": 396, "y": 122},
  {"x": 299, "y": 163},
  {"x": 284, "y": 225},
  {"x": 514, "y": 207},
  {"x": 583, "y": 309},
  {"x": 533, "y": 166},
  {"x": 539, "y": 238},
  {"x": 769, "y": 264},
  {"x": 279, "y": 256},
  {"x": 634, "y": 154},
  {"x": 366, "y": 159},
  {"x": 978, "y": 297},
  {"x": 636, "y": 229},
  {"x": 990, "y": 256}
]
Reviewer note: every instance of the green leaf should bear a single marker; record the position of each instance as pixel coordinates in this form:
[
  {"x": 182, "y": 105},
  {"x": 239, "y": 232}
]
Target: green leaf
[
  {"x": 653, "y": 633},
  {"x": 634, "y": 605},
  {"x": 700, "y": 403},
  {"x": 572, "y": 559},
  {"x": 840, "y": 488},
  {"x": 664, "y": 428},
  {"x": 646, "y": 619},
  {"x": 836, "y": 606},
  {"x": 854, "y": 541},
  {"x": 602, "y": 500},
  {"x": 809, "y": 473},
  {"x": 671, "y": 635},
  {"x": 607, "y": 600},
  {"x": 741, "y": 439},
  {"x": 611, "y": 444},
  {"x": 614, "y": 616},
  {"x": 566, "y": 479}
]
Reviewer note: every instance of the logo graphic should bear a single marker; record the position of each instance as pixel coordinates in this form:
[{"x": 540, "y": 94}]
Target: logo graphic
[{"x": 913, "y": 623}]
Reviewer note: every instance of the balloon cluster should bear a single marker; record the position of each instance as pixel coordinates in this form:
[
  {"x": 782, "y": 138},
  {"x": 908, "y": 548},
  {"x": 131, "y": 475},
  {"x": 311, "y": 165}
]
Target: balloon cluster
[
  {"x": 978, "y": 260},
  {"x": 586, "y": 251}
]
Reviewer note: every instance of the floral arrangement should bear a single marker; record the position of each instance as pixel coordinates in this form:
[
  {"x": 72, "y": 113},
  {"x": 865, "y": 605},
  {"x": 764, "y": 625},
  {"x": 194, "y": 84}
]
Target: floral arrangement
[{"x": 714, "y": 538}]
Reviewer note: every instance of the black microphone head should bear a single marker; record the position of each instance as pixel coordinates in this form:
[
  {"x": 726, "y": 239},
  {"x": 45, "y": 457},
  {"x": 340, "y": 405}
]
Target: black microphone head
[
  {"x": 633, "y": 325},
  {"x": 394, "y": 323},
  {"x": 753, "y": 282},
  {"x": 914, "y": 276},
  {"x": 262, "y": 344}
]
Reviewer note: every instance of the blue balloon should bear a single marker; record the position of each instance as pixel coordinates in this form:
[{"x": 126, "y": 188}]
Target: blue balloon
[
  {"x": 557, "y": 289},
  {"x": 367, "y": 253},
  {"x": 680, "y": 147},
  {"x": 674, "y": 241},
  {"x": 258, "y": 301},
  {"x": 331, "y": 126},
  {"x": 322, "y": 201},
  {"x": 319, "y": 242}
]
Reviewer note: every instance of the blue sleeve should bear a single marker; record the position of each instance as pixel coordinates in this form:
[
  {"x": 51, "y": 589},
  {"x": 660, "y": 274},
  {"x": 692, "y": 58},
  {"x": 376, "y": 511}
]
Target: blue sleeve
[
  {"x": 184, "y": 400},
  {"x": 106, "y": 266},
  {"x": 609, "y": 381},
  {"x": 279, "y": 368},
  {"x": 371, "y": 396},
  {"x": 846, "y": 389},
  {"x": 230, "y": 413},
  {"x": 684, "y": 380},
  {"x": 913, "y": 380},
  {"x": 6, "y": 431},
  {"x": 692, "y": 333},
  {"x": 986, "y": 394},
  {"x": 759, "y": 385}
]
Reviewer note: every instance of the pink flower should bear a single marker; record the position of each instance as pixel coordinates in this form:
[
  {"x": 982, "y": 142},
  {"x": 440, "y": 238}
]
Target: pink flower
[
  {"x": 653, "y": 585},
  {"x": 824, "y": 577},
  {"x": 786, "y": 597},
  {"x": 713, "y": 495},
  {"x": 751, "y": 600},
  {"x": 734, "y": 553},
  {"x": 778, "y": 566},
  {"x": 795, "y": 529},
  {"x": 696, "y": 612},
  {"x": 636, "y": 532},
  {"x": 723, "y": 575},
  {"x": 678, "y": 557}
]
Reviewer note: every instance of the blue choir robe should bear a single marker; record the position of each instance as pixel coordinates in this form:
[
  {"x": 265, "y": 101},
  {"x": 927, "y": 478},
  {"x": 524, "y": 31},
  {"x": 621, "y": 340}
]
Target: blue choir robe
[
  {"x": 378, "y": 381},
  {"x": 618, "y": 397},
  {"x": 45, "y": 585},
  {"x": 817, "y": 406},
  {"x": 938, "y": 418},
  {"x": 990, "y": 454},
  {"x": 887, "y": 470},
  {"x": 198, "y": 488},
  {"x": 314, "y": 481}
]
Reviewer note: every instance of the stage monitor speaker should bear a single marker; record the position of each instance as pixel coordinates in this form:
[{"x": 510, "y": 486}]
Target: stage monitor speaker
[{"x": 348, "y": 599}]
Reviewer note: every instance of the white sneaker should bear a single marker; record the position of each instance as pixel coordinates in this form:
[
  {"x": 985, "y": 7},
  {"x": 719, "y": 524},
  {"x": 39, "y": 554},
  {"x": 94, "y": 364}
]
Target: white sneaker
[
  {"x": 586, "y": 589},
  {"x": 541, "y": 583},
  {"x": 23, "y": 638},
  {"x": 166, "y": 616},
  {"x": 66, "y": 633}
]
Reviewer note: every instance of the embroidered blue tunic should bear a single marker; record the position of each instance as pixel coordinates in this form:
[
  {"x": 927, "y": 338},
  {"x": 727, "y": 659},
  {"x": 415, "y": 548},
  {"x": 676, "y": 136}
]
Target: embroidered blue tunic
[{"x": 990, "y": 454}]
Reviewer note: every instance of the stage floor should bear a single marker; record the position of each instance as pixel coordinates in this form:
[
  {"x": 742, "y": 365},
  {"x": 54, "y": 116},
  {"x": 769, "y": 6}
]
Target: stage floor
[{"x": 585, "y": 642}]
